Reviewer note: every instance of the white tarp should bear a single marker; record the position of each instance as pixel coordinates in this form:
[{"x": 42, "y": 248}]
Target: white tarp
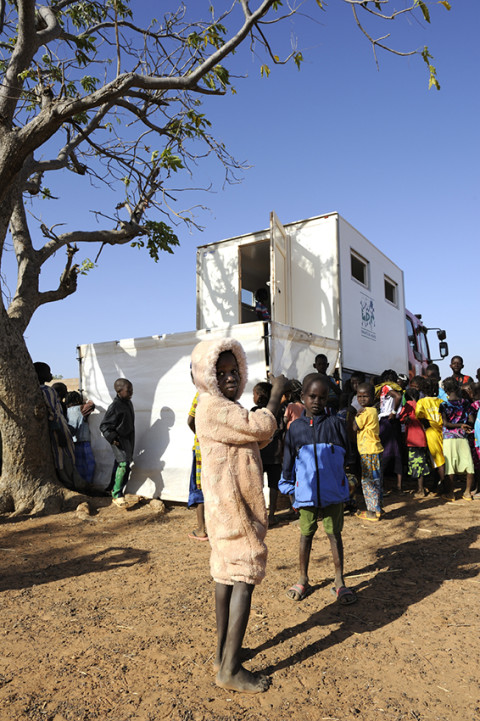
[
  {"x": 159, "y": 369},
  {"x": 293, "y": 351}
]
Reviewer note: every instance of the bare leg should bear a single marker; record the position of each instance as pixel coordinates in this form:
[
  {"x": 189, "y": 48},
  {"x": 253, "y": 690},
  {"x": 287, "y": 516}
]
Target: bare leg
[
  {"x": 448, "y": 485},
  {"x": 304, "y": 558},
  {"x": 223, "y": 594},
  {"x": 336, "y": 547},
  {"x": 273, "y": 495},
  {"x": 200, "y": 530},
  {"x": 421, "y": 489},
  {"x": 469, "y": 486},
  {"x": 399, "y": 481},
  {"x": 231, "y": 674}
]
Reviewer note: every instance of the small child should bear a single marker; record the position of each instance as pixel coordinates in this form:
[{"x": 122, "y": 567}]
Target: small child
[
  {"x": 456, "y": 364},
  {"x": 262, "y": 309},
  {"x": 476, "y": 436},
  {"x": 61, "y": 390},
  {"x": 476, "y": 429},
  {"x": 416, "y": 440},
  {"x": 63, "y": 450},
  {"x": 118, "y": 428},
  {"x": 470, "y": 392},
  {"x": 272, "y": 453},
  {"x": 84, "y": 459},
  {"x": 232, "y": 482},
  {"x": 334, "y": 391},
  {"x": 294, "y": 408},
  {"x": 195, "y": 493},
  {"x": 390, "y": 431},
  {"x": 313, "y": 469},
  {"x": 370, "y": 449},
  {"x": 426, "y": 410},
  {"x": 457, "y": 422}
]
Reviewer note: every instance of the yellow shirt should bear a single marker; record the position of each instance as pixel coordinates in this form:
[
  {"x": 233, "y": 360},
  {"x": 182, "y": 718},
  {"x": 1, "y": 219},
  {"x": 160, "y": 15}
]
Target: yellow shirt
[
  {"x": 368, "y": 435},
  {"x": 428, "y": 408}
]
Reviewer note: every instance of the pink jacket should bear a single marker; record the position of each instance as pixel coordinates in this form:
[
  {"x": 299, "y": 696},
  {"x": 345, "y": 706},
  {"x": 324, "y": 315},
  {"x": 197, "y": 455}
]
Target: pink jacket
[{"x": 232, "y": 475}]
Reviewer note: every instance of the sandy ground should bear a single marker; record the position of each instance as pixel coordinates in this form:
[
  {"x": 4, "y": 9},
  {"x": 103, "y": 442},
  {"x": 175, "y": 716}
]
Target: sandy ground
[{"x": 113, "y": 618}]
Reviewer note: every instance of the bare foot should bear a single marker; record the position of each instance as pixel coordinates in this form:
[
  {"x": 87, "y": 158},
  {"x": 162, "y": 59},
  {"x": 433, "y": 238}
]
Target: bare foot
[
  {"x": 419, "y": 494},
  {"x": 245, "y": 655},
  {"x": 242, "y": 680}
]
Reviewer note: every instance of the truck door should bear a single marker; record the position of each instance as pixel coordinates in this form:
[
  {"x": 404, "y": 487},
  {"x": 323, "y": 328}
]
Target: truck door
[{"x": 279, "y": 271}]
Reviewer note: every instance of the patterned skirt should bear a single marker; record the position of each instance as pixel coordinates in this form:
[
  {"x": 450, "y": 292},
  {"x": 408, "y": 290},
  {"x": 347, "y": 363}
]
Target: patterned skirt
[{"x": 418, "y": 462}]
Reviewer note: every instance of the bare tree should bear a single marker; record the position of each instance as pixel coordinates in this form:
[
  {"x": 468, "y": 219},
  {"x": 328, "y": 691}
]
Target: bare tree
[{"x": 89, "y": 89}]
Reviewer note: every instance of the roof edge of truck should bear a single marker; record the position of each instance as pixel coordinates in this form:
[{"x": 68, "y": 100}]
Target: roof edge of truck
[{"x": 267, "y": 230}]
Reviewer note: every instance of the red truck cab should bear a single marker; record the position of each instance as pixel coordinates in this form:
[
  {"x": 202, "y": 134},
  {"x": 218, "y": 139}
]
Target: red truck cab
[{"x": 419, "y": 355}]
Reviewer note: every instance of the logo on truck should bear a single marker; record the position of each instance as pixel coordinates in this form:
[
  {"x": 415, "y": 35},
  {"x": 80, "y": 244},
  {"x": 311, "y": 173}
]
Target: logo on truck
[{"x": 367, "y": 308}]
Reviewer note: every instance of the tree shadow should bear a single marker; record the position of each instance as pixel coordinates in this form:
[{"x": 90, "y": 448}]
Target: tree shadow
[
  {"x": 387, "y": 595},
  {"x": 105, "y": 560}
]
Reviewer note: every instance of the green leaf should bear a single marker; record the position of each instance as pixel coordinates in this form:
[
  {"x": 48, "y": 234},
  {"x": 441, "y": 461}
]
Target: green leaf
[
  {"x": 445, "y": 4},
  {"x": 88, "y": 83},
  {"x": 160, "y": 237},
  {"x": 30, "y": 73},
  {"x": 170, "y": 161},
  {"x": 85, "y": 266},
  {"x": 222, "y": 75},
  {"x": 264, "y": 71},
  {"x": 424, "y": 9},
  {"x": 298, "y": 58},
  {"x": 432, "y": 81}
]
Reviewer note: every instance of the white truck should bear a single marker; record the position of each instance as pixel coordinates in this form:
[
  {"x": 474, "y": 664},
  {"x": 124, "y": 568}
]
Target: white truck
[{"x": 331, "y": 291}]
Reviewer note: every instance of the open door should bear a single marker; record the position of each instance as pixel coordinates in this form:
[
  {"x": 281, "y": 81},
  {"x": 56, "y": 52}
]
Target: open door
[{"x": 279, "y": 271}]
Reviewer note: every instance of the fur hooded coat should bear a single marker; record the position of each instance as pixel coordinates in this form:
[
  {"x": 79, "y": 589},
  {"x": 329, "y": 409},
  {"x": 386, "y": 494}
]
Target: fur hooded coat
[{"x": 232, "y": 474}]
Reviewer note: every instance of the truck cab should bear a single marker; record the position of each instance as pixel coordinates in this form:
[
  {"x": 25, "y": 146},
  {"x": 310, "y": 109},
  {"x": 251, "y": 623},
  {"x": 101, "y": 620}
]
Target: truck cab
[{"x": 419, "y": 355}]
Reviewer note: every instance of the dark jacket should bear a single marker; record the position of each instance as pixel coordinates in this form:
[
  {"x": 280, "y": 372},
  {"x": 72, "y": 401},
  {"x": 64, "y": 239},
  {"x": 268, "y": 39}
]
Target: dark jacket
[
  {"x": 119, "y": 422},
  {"x": 272, "y": 454},
  {"x": 313, "y": 461}
]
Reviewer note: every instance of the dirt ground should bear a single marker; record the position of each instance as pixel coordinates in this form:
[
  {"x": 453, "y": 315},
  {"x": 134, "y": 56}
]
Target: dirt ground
[{"x": 112, "y": 617}]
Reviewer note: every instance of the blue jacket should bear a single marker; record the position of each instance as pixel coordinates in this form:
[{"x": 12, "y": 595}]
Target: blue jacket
[{"x": 313, "y": 461}]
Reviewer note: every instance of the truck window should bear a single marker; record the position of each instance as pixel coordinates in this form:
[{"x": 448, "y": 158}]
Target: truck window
[
  {"x": 412, "y": 341},
  {"x": 390, "y": 291},
  {"x": 422, "y": 340},
  {"x": 359, "y": 268}
]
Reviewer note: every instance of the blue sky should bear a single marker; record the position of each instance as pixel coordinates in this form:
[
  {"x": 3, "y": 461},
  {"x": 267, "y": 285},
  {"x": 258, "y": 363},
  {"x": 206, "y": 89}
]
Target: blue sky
[{"x": 398, "y": 161}]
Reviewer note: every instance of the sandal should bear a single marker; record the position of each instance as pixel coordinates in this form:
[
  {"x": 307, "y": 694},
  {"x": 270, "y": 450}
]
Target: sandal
[
  {"x": 449, "y": 497},
  {"x": 345, "y": 596},
  {"x": 299, "y": 590},
  {"x": 364, "y": 517},
  {"x": 195, "y": 537}
]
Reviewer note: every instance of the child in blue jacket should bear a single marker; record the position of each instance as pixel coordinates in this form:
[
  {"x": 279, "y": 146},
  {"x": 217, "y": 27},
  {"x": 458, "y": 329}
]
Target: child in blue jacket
[{"x": 313, "y": 469}]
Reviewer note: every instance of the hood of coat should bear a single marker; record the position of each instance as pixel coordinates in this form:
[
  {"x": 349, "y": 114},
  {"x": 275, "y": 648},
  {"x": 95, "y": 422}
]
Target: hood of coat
[{"x": 204, "y": 365}]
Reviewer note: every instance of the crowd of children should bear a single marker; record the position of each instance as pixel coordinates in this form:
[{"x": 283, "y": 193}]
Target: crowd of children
[
  {"x": 315, "y": 442},
  {"x": 67, "y": 417}
]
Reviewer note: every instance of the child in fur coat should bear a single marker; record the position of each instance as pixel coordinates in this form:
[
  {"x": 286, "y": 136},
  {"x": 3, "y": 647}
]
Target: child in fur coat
[{"x": 232, "y": 482}]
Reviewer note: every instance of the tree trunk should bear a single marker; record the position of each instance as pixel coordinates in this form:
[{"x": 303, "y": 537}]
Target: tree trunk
[{"x": 28, "y": 481}]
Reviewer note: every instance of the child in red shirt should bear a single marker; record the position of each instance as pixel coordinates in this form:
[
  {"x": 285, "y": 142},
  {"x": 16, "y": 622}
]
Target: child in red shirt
[{"x": 416, "y": 440}]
